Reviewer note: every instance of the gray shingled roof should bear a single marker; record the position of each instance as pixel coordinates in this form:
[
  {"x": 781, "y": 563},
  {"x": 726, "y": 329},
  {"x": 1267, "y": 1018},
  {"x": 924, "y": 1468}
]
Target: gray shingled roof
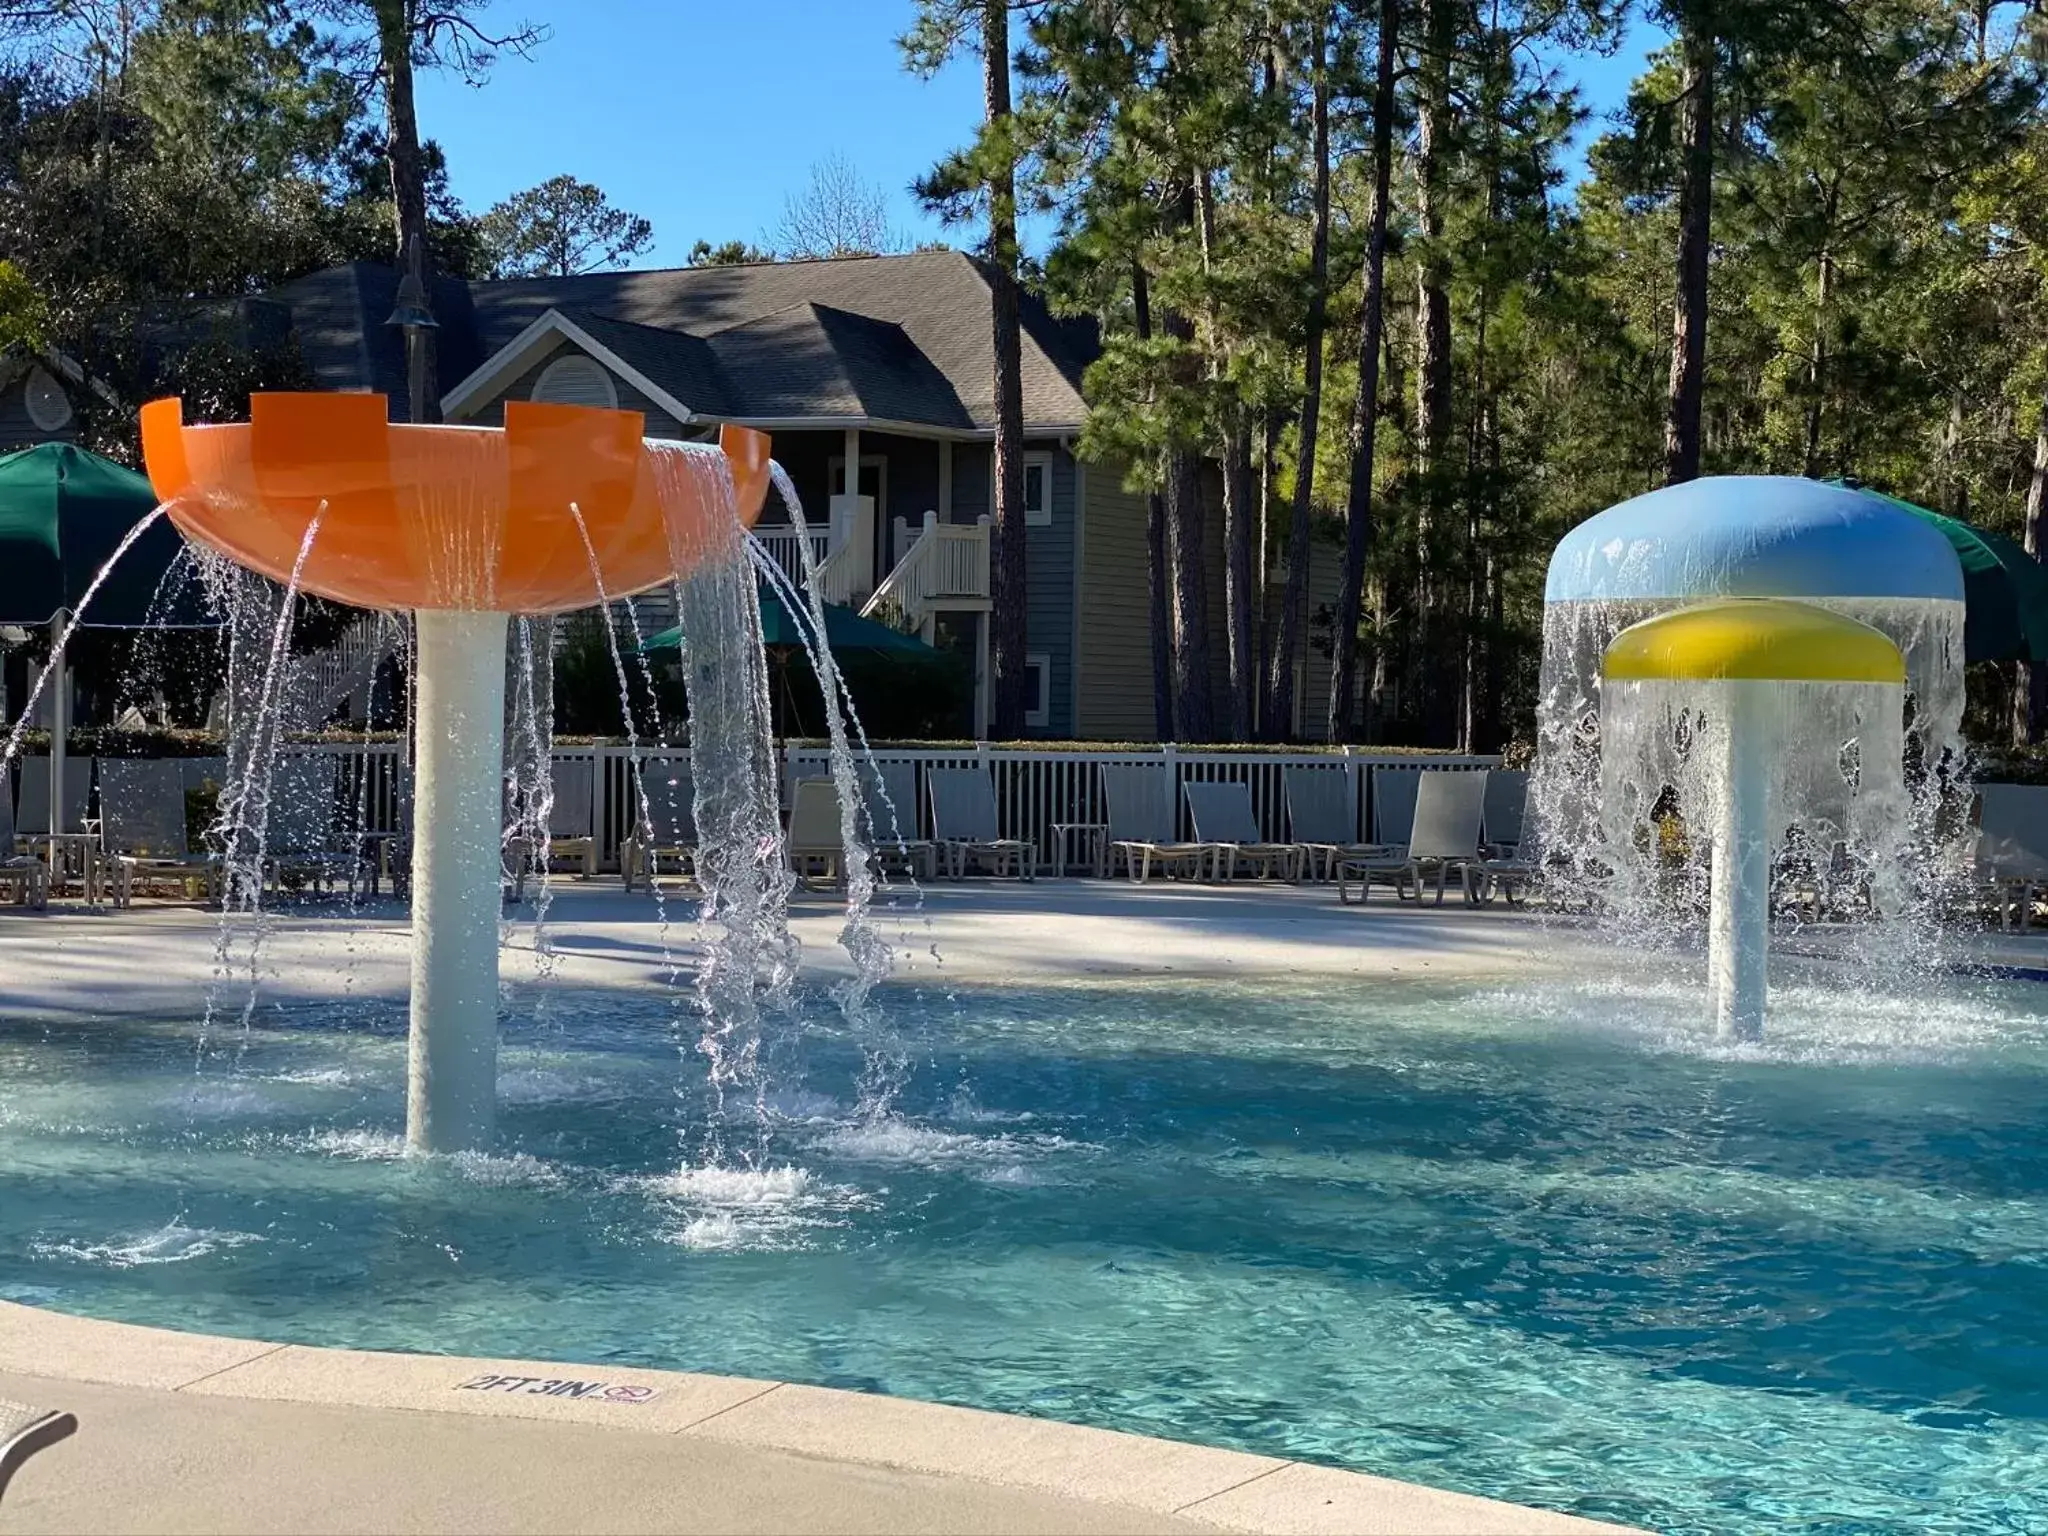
[
  {"x": 898, "y": 338},
  {"x": 682, "y": 366}
]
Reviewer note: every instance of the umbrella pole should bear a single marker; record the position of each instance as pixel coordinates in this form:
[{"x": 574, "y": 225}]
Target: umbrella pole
[{"x": 60, "y": 725}]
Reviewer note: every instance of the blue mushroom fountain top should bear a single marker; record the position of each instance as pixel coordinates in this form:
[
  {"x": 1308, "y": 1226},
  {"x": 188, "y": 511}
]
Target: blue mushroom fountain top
[{"x": 1753, "y": 536}]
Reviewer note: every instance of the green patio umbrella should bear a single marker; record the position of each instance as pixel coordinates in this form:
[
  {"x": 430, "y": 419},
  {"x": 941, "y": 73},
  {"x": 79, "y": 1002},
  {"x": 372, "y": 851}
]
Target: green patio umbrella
[
  {"x": 63, "y": 512},
  {"x": 2005, "y": 590},
  {"x": 845, "y": 630}
]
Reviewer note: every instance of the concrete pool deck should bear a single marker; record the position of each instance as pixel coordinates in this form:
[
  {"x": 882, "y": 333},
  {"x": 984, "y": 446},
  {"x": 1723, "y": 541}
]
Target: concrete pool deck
[
  {"x": 73, "y": 961},
  {"x": 190, "y": 1432}
]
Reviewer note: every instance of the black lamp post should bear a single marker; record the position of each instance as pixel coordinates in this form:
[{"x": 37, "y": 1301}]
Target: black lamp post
[{"x": 415, "y": 316}]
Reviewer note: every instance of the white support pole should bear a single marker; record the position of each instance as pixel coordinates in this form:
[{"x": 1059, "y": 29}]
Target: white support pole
[
  {"x": 452, "y": 1065},
  {"x": 982, "y": 679},
  {"x": 1739, "y": 922},
  {"x": 60, "y": 727}
]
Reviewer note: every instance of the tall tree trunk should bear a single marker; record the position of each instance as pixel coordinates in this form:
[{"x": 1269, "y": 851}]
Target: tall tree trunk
[
  {"x": 2030, "y": 703},
  {"x": 1365, "y": 410},
  {"x": 1184, "y": 527},
  {"x": 1469, "y": 695},
  {"x": 1239, "y": 490},
  {"x": 1158, "y": 574},
  {"x": 408, "y": 170},
  {"x": 1186, "y": 523},
  {"x": 1241, "y": 664},
  {"x": 1269, "y": 493},
  {"x": 1695, "y": 233},
  {"x": 1294, "y": 602},
  {"x": 1817, "y": 357},
  {"x": 1433, "y": 670},
  {"x": 1008, "y": 609}
]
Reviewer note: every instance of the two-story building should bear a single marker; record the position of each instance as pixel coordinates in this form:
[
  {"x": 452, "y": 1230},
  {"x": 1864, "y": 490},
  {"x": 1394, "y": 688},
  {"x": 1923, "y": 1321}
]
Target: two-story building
[{"x": 882, "y": 364}]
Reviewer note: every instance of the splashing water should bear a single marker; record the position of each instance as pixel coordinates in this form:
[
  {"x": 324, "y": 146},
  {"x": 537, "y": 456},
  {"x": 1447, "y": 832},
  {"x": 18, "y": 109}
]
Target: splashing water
[
  {"x": 749, "y": 957},
  {"x": 871, "y": 954},
  {"x": 55, "y": 667},
  {"x": 530, "y": 763},
  {"x": 1871, "y": 819},
  {"x": 242, "y": 820}
]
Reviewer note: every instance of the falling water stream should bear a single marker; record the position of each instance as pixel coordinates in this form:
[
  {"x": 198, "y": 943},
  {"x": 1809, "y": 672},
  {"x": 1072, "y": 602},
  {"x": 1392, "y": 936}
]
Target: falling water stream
[
  {"x": 749, "y": 958},
  {"x": 1621, "y": 792}
]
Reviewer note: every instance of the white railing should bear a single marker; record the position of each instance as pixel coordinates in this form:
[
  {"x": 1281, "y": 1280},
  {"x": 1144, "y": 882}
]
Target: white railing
[
  {"x": 946, "y": 562},
  {"x": 345, "y": 668},
  {"x": 785, "y": 546},
  {"x": 1034, "y": 788},
  {"x": 842, "y": 577}
]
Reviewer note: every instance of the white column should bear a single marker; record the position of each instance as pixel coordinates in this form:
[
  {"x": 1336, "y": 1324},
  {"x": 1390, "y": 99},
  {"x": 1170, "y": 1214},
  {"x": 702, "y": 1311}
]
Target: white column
[
  {"x": 60, "y": 725},
  {"x": 981, "y": 677},
  {"x": 1739, "y": 920},
  {"x": 452, "y": 1065}
]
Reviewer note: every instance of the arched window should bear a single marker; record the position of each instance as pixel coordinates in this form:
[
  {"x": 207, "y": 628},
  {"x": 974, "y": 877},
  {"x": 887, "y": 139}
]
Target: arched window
[
  {"x": 576, "y": 380},
  {"x": 48, "y": 406}
]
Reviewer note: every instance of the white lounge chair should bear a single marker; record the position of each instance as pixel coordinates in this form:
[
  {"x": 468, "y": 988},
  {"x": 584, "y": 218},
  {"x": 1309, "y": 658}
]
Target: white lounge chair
[
  {"x": 1443, "y": 831},
  {"x": 816, "y": 839},
  {"x": 32, "y": 820},
  {"x": 889, "y": 817},
  {"x": 300, "y": 844},
  {"x": 1222, "y": 814},
  {"x": 665, "y": 827},
  {"x": 1139, "y": 800},
  {"x": 1505, "y": 867},
  {"x": 72, "y": 851},
  {"x": 1507, "y": 800},
  {"x": 965, "y": 826},
  {"x": 1393, "y": 805},
  {"x": 571, "y": 798},
  {"x": 142, "y": 812},
  {"x": 1385, "y": 859},
  {"x": 25, "y": 875},
  {"x": 1449, "y": 806},
  {"x": 2012, "y": 847},
  {"x": 572, "y": 816},
  {"x": 25, "y": 1430},
  {"x": 1322, "y": 817}
]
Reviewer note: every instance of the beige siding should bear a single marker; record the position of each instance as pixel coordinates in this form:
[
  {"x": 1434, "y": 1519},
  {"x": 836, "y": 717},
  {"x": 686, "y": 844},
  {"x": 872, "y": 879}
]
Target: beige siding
[
  {"x": 1312, "y": 684},
  {"x": 1115, "y": 629}
]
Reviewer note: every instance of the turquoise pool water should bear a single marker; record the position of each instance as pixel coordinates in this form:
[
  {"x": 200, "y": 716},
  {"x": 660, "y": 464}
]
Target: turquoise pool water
[{"x": 1544, "y": 1243}]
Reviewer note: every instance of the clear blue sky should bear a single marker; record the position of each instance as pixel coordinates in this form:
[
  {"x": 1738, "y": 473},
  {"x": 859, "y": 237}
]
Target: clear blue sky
[{"x": 704, "y": 114}]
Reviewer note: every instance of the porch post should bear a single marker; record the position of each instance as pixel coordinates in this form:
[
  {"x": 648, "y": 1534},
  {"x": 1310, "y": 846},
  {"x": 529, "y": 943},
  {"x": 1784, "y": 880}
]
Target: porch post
[
  {"x": 981, "y": 624},
  {"x": 945, "y": 480}
]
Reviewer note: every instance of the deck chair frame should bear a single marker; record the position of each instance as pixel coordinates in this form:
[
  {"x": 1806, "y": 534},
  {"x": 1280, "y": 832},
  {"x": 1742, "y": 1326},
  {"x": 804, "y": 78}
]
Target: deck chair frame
[
  {"x": 25, "y": 1430},
  {"x": 1322, "y": 816},
  {"x": 1221, "y": 812},
  {"x": 964, "y": 825},
  {"x": 664, "y": 823},
  {"x": 135, "y": 853},
  {"x": 25, "y": 875},
  {"x": 1139, "y": 800}
]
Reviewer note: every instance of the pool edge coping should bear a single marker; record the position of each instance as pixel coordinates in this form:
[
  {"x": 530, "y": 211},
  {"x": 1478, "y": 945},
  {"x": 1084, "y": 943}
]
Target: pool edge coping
[{"x": 1230, "y": 1490}]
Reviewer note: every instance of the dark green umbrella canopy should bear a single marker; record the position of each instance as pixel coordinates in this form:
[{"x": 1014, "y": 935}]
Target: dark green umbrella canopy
[
  {"x": 62, "y": 513},
  {"x": 2005, "y": 590},
  {"x": 845, "y": 630}
]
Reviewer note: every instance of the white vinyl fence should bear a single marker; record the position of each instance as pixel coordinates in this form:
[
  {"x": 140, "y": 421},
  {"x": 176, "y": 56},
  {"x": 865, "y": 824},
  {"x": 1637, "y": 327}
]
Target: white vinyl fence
[{"x": 1034, "y": 789}]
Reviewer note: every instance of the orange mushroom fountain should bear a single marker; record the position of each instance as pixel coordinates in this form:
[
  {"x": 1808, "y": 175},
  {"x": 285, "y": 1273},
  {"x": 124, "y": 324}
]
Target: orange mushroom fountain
[{"x": 464, "y": 526}]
